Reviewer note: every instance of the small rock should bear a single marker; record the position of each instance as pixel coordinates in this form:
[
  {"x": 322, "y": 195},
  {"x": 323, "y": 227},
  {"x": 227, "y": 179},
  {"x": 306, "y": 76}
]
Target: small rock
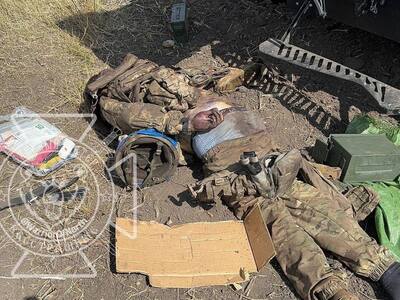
[
  {"x": 236, "y": 286},
  {"x": 353, "y": 111},
  {"x": 168, "y": 44},
  {"x": 243, "y": 89},
  {"x": 169, "y": 222}
]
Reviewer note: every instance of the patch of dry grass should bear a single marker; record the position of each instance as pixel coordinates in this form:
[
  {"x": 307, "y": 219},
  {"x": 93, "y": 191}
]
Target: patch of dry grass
[
  {"x": 30, "y": 32},
  {"x": 59, "y": 41},
  {"x": 31, "y": 19}
]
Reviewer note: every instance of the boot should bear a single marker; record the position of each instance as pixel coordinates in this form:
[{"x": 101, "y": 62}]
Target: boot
[
  {"x": 344, "y": 295},
  {"x": 390, "y": 281}
]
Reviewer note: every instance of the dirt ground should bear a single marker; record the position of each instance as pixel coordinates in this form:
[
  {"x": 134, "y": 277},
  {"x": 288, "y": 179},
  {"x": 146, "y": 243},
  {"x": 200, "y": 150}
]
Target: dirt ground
[{"x": 40, "y": 71}]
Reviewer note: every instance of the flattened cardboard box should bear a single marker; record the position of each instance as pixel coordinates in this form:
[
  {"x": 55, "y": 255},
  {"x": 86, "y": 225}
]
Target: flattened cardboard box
[{"x": 194, "y": 254}]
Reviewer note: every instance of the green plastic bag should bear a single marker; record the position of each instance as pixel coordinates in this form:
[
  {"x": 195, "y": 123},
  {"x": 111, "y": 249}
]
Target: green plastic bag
[
  {"x": 387, "y": 215},
  {"x": 368, "y": 125}
]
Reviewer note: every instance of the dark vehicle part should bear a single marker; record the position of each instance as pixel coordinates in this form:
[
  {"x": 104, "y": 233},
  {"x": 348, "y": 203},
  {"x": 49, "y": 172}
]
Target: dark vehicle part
[
  {"x": 376, "y": 16},
  {"x": 387, "y": 96}
]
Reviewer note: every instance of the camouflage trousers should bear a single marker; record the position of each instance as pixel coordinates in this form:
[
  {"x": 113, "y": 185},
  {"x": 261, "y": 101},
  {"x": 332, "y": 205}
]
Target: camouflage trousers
[{"x": 306, "y": 220}]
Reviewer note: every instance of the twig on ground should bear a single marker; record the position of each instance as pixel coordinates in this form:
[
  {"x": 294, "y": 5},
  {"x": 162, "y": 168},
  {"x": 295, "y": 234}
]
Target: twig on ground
[
  {"x": 248, "y": 288},
  {"x": 249, "y": 298},
  {"x": 138, "y": 293},
  {"x": 58, "y": 105}
]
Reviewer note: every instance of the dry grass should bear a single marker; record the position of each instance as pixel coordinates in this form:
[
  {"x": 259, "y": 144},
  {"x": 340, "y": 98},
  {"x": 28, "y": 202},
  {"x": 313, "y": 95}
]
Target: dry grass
[
  {"x": 61, "y": 35},
  {"x": 27, "y": 20},
  {"x": 30, "y": 29}
]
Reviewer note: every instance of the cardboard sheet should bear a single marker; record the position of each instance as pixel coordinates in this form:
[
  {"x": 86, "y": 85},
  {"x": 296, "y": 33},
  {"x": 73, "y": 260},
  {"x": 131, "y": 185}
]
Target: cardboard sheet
[
  {"x": 259, "y": 238},
  {"x": 194, "y": 254}
]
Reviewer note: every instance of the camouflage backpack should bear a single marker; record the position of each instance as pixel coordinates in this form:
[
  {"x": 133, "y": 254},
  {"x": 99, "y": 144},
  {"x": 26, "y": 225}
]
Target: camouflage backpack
[{"x": 140, "y": 94}]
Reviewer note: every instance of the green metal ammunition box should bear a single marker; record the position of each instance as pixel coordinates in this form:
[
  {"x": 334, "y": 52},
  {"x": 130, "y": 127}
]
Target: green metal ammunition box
[
  {"x": 364, "y": 157},
  {"x": 179, "y": 22}
]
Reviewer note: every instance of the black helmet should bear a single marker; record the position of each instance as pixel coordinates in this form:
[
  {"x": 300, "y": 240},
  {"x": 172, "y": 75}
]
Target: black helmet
[{"x": 156, "y": 158}]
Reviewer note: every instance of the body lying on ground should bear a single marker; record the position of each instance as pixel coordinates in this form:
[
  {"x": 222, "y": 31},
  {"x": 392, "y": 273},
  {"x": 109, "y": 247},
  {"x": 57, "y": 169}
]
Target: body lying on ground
[{"x": 304, "y": 211}]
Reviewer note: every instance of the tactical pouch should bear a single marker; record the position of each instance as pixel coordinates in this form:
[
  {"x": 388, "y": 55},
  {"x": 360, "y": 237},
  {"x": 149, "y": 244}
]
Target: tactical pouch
[
  {"x": 139, "y": 94},
  {"x": 100, "y": 81},
  {"x": 122, "y": 83},
  {"x": 234, "y": 188},
  {"x": 138, "y": 80},
  {"x": 363, "y": 200},
  {"x": 213, "y": 187}
]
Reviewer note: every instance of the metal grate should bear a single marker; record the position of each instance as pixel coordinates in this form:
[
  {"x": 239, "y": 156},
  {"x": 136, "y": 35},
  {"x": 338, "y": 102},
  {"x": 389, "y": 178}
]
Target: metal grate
[{"x": 387, "y": 96}]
